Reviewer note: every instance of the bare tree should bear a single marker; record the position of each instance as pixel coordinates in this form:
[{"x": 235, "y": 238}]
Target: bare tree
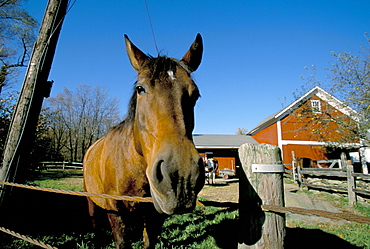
[
  {"x": 17, "y": 35},
  {"x": 80, "y": 118},
  {"x": 242, "y": 131}
]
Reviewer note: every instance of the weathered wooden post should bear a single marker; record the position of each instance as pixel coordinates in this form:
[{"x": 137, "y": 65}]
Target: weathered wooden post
[
  {"x": 259, "y": 229},
  {"x": 352, "y": 198}
]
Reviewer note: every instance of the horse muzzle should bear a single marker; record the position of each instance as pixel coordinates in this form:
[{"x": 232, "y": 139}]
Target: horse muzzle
[
  {"x": 174, "y": 186},
  {"x": 170, "y": 205}
]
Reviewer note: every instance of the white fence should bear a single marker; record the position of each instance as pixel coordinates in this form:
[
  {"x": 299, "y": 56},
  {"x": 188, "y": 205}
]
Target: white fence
[
  {"x": 332, "y": 162},
  {"x": 59, "y": 165}
]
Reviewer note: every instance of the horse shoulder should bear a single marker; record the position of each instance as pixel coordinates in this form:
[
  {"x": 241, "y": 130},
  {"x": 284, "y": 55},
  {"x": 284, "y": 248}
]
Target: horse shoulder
[
  {"x": 126, "y": 167},
  {"x": 112, "y": 166}
]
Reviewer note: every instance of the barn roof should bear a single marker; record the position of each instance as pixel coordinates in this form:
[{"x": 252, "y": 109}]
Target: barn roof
[
  {"x": 203, "y": 141},
  {"x": 319, "y": 92}
]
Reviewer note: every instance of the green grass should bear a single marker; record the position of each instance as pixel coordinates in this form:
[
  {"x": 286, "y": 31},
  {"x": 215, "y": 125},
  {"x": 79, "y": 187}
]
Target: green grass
[
  {"x": 56, "y": 185},
  {"x": 56, "y": 174},
  {"x": 206, "y": 227},
  {"x": 58, "y": 179}
]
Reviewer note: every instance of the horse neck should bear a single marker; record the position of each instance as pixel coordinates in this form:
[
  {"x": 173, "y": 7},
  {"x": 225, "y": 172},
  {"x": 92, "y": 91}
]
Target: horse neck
[{"x": 121, "y": 141}]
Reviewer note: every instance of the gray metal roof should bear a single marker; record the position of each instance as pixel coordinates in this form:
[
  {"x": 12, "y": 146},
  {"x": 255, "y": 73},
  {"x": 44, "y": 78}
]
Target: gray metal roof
[
  {"x": 202, "y": 141},
  {"x": 264, "y": 123}
]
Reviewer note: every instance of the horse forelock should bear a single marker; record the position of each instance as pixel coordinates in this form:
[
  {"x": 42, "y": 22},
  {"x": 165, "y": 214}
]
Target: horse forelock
[
  {"x": 160, "y": 66},
  {"x": 157, "y": 68}
]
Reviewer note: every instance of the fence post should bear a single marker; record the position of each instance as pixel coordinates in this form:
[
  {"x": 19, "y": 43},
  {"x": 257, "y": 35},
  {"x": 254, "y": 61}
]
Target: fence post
[
  {"x": 365, "y": 169},
  {"x": 294, "y": 167},
  {"x": 299, "y": 177},
  {"x": 352, "y": 199},
  {"x": 259, "y": 229}
]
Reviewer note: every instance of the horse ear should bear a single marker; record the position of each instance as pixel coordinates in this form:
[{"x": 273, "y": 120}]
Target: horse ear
[
  {"x": 137, "y": 58},
  {"x": 193, "y": 57}
]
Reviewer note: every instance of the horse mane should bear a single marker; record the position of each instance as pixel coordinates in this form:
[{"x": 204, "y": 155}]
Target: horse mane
[{"x": 157, "y": 68}]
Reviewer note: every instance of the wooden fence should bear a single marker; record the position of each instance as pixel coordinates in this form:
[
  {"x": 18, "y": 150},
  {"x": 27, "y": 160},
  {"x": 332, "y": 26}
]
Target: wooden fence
[
  {"x": 355, "y": 181},
  {"x": 59, "y": 165}
]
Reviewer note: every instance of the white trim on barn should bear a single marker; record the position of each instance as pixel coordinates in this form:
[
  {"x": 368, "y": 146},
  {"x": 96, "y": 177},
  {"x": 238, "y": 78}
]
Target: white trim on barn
[
  {"x": 279, "y": 136},
  {"x": 322, "y": 94},
  {"x": 302, "y": 142}
]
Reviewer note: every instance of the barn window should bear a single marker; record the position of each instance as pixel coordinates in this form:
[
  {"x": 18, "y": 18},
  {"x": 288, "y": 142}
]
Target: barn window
[{"x": 316, "y": 106}]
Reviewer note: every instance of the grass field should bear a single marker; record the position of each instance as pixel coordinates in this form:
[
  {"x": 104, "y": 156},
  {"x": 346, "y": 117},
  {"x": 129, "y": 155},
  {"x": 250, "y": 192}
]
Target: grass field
[{"x": 208, "y": 227}]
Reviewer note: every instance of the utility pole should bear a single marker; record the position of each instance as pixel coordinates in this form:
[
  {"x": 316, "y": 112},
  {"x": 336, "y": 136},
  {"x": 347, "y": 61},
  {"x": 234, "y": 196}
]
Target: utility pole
[{"x": 35, "y": 87}]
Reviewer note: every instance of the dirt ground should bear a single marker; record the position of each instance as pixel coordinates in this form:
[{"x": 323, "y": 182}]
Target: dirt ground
[
  {"x": 224, "y": 190},
  {"x": 227, "y": 190}
]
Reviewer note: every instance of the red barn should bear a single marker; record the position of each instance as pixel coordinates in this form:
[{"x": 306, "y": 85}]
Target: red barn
[{"x": 293, "y": 132}]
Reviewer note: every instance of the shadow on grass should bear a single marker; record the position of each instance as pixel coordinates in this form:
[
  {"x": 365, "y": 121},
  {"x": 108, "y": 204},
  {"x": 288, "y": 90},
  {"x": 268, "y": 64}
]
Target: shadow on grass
[
  {"x": 36, "y": 212},
  {"x": 314, "y": 238},
  {"x": 226, "y": 233},
  {"x": 226, "y": 236},
  {"x": 230, "y": 205}
]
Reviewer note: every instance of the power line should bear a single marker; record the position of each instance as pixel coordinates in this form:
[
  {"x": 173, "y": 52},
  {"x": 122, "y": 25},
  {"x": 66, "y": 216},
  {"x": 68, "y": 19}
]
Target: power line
[{"x": 151, "y": 26}]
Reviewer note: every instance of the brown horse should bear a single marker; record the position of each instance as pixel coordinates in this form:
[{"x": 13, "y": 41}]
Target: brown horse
[{"x": 151, "y": 153}]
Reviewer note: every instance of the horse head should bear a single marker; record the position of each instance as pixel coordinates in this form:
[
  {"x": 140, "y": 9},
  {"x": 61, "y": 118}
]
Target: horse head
[{"x": 163, "y": 122}]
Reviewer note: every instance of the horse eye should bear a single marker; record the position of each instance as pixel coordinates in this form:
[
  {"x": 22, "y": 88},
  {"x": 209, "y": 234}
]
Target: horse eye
[{"x": 140, "y": 90}]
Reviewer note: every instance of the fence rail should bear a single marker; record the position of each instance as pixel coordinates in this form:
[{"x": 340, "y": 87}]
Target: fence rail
[
  {"x": 332, "y": 163},
  {"x": 62, "y": 165},
  {"x": 302, "y": 175}
]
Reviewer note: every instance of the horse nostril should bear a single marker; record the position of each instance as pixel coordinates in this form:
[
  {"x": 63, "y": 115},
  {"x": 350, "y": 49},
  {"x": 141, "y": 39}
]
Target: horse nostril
[{"x": 158, "y": 171}]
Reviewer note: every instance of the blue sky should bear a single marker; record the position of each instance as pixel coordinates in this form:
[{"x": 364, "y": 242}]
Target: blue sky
[{"x": 254, "y": 51}]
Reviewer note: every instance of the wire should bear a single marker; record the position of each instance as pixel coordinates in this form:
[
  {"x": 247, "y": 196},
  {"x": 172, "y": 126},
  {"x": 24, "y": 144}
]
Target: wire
[
  {"x": 151, "y": 26},
  {"x": 70, "y": 5}
]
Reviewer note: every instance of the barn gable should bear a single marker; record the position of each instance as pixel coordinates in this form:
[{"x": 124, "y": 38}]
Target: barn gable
[{"x": 290, "y": 133}]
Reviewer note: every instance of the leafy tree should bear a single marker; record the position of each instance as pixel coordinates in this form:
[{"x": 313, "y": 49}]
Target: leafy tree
[
  {"x": 7, "y": 105},
  {"x": 79, "y": 118},
  {"x": 348, "y": 79},
  {"x": 17, "y": 35},
  {"x": 40, "y": 149}
]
